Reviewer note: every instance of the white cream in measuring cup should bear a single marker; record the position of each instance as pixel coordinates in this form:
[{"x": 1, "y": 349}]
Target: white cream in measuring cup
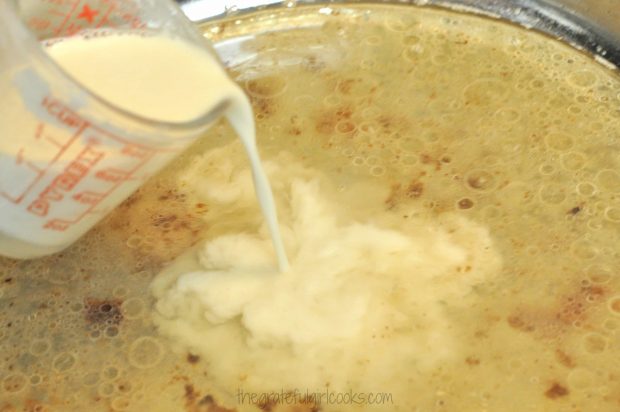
[
  {"x": 131, "y": 71},
  {"x": 76, "y": 142}
]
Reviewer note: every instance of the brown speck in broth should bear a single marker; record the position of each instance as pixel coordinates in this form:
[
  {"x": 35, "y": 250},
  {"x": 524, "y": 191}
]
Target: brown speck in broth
[
  {"x": 574, "y": 306},
  {"x": 33, "y": 406},
  {"x": 103, "y": 311},
  {"x": 481, "y": 334},
  {"x": 267, "y": 406},
  {"x": 564, "y": 359},
  {"x": 294, "y": 131},
  {"x": 190, "y": 394},
  {"x": 386, "y": 122},
  {"x": 263, "y": 107},
  {"x": 517, "y": 322},
  {"x": 160, "y": 220},
  {"x": 344, "y": 86},
  {"x": 476, "y": 182},
  {"x": 327, "y": 120},
  {"x": 345, "y": 127},
  {"x": 471, "y": 361},
  {"x": 556, "y": 391},
  {"x": 312, "y": 64},
  {"x": 555, "y": 318},
  {"x": 392, "y": 198},
  {"x": 574, "y": 210},
  {"x": 207, "y": 400},
  {"x": 415, "y": 189},
  {"x": 427, "y": 159},
  {"x": 193, "y": 359},
  {"x": 195, "y": 403},
  {"x": 465, "y": 204},
  {"x": 127, "y": 203},
  {"x": 171, "y": 194}
]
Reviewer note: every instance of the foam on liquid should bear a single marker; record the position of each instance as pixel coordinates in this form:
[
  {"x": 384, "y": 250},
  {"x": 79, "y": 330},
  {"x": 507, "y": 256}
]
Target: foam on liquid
[{"x": 167, "y": 80}]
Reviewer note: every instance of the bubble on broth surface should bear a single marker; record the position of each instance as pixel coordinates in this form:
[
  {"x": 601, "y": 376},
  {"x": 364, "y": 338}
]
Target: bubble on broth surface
[
  {"x": 582, "y": 78},
  {"x": 598, "y": 273},
  {"x": 480, "y": 180},
  {"x": 594, "y": 343},
  {"x": 611, "y": 324},
  {"x": 145, "y": 352},
  {"x": 90, "y": 379},
  {"x": 266, "y": 87},
  {"x": 133, "y": 308},
  {"x": 401, "y": 23},
  {"x": 14, "y": 382},
  {"x": 586, "y": 189},
  {"x": 63, "y": 362},
  {"x": 609, "y": 180},
  {"x": 35, "y": 380},
  {"x": 465, "y": 204},
  {"x": 583, "y": 249},
  {"x": 110, "y": 372},
  {"x": 120, "y": 292},
  {"x": 559, "y": 141},
  {"x": 111, "y": 332},
  {"x": 377, "y": 171},
  {"x": 415, "y": 53},
  {"x": 546, "y": 169},
  {"x": 614, "y": 305},
  {"x": 552, "y": 193},
  {"x": 39, "y": 347},
  {"x": 105, "y": 389},
  {"x": 410, "y": 40},
  {"x": 612, "y": 214},
  {"x": 121, "y": 403}
]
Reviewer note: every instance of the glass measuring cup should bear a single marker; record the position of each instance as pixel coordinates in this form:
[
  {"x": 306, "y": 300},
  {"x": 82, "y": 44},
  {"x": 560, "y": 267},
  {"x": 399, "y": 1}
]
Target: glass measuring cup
[{"x": 67, "y": 156}]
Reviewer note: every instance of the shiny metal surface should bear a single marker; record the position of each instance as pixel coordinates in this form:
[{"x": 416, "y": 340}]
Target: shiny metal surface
[{"x": 591, "y": 25}]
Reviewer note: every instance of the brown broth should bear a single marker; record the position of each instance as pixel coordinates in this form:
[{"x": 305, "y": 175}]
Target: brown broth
[{"x": 438, "y": 113}]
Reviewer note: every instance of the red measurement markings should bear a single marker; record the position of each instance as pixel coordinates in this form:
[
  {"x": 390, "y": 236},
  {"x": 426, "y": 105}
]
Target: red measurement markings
[
  {"x": 39, "y": 23},
  {"x": 93, "y": 199},
  {"x": 62, "y": 113},
  {"x": 19, "y": 160},
  {"x": 57, "y": 224},
  {"x": 39, "y": 132},
  {"x": 66, "y": 181},
  {"x": 98, "y": 143},
  {"x": 66, "y": 117},
  {"x": 104, "y": 18},
  {"x": 78, "y": 15},
  {"x": 136, "y": 151},
  {"x": 113, "y": 175},
  {"x": 61, "y": 27},
  {"x": 88, "y": 14},
  {"x": 88, "y": 197}
]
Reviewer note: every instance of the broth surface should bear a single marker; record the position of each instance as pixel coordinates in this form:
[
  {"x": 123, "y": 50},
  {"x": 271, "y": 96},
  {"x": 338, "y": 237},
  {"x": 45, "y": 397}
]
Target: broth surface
[{"x": 407, "y": 118}]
